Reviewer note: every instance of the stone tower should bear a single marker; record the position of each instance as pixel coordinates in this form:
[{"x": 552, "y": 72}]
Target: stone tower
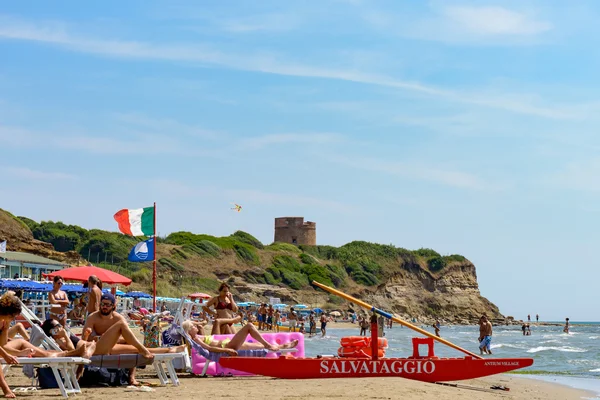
[{"x": 295, "y": 231}]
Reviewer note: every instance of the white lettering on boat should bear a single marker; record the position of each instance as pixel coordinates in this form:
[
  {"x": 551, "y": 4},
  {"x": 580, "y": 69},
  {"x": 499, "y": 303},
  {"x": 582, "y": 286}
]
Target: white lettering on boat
[
  {"x": 381, "y": 367},
  {"x": 501, "y": 363}
]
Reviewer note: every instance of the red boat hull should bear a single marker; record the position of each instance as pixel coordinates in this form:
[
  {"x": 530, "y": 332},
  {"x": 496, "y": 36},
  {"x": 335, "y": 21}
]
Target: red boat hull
[{"x": 422, "y": 369}]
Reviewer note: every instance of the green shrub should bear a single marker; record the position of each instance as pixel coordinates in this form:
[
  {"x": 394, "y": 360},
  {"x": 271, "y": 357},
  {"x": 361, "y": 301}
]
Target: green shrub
[
  {"x": 315, "y": 272},
  {"x": 178, "y": 253},
  {"x": 248, "y": 239},
  {"x": 167, "y": 262},
  {"x": 142, "y": 276},
  {"x": 246, "y": 253},
  {"x": 209, "y": 247},
  {"x": 287, "y": 262},
  {"x": 426, "y": 253},
  {"x": 279, "y": 246},
  {"x": 29, "y": 223},
  {"x": 358, "y": 274},
  {"x": 337, "y": 274},
  {"x": 308, "y": 259},
  {"x": 322, "y": 252},
  {"x": 454, "y": 258},
  {"x": 436, "y": 263}
]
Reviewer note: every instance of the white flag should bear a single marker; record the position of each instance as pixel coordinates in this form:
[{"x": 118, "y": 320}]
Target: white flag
[{"x": 3, "y": 247}]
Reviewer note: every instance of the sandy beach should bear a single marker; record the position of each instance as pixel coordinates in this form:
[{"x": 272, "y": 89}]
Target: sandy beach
[{"x": 366, "y": 388}]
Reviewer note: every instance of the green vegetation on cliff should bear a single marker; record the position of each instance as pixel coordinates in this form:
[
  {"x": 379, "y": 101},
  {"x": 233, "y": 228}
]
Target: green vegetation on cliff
[{"x": 281, "y": 264}]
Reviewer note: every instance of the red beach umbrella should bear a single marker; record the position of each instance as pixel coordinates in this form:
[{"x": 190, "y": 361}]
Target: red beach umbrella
[
  {"x": 83, "y": 273},
  {"x": 199, "y": 296}
]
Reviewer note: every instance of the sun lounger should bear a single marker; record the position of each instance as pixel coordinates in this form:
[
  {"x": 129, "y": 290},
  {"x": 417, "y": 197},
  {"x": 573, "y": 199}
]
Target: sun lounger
[
  {"x": 63, "y": 369},
  {"x": 215, "y": 357},
  {"x": 163, "y": 363}
]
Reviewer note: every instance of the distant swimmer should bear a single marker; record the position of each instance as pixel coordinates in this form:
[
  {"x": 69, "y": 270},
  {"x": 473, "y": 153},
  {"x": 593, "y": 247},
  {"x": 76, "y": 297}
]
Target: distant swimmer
[
  {"x": 566, "y": 329},
  {"x": 537, "y": 318},
  {"x": 436, "y": 326}
]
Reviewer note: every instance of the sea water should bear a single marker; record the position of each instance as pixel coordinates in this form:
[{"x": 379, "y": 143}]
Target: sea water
[{"x": 558, "y": 355}]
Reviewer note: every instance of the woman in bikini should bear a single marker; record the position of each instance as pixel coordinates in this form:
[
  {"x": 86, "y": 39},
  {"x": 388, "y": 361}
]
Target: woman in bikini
[
  {"x": 225, "y": 308},
  {"x": 59, "y": 302},
  {"x": 237, "y": 342}
]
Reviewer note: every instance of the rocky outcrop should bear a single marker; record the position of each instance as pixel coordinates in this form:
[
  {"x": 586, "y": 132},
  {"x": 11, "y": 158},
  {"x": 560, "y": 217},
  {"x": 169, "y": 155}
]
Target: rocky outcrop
[
  {"x": 451, "y": 295},
  {"x": 19, "y": 238}
]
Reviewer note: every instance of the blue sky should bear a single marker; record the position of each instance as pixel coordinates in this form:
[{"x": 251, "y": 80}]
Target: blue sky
[{"x": 466, "y": 127}]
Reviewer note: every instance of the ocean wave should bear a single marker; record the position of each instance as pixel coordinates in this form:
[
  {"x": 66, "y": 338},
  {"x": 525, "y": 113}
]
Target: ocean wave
[
  {"x": 594, "y": 337},
  {"x": 595, "y": 370},
  {"x": 564, "y": 349},
  {"x": 508, "y": 345}
]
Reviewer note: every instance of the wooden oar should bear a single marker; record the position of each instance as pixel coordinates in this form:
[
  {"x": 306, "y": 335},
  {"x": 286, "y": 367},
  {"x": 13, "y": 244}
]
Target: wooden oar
[{"x": 393, "y": 318}]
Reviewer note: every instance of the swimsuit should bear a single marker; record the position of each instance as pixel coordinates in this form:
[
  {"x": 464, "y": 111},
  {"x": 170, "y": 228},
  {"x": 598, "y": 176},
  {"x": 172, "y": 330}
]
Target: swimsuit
[
  {"x": 222, "y": 305},
  {"x": 486, "y": 342},
  {"x": 63, "y": 315},
  {"x": 209, "y": 339}
]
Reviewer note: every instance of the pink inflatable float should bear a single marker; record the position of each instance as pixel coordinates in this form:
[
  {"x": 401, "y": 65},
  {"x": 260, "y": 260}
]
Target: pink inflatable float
[{"x": 276, "y": 338}]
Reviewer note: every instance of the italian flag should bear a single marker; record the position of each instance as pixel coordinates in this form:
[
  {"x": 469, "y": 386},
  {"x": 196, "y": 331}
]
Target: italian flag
[{"x": 138, "y": 222}]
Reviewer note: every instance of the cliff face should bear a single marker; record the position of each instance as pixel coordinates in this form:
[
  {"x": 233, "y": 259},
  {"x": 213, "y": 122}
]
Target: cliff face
[
  {"x": 19, "y": 238},
  {"x": 453, "y": 295}
]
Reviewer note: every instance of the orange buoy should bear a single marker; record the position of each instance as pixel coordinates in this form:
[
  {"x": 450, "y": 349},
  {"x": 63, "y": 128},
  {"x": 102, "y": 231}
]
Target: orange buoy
[
  {"x": 362, "y": 341},
  {"x": 359, "y": 352}
]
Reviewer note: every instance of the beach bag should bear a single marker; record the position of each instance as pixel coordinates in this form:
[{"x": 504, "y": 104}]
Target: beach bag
[
  {"x": 96, "y": 376},
  {"x": 46, "y": 378}
]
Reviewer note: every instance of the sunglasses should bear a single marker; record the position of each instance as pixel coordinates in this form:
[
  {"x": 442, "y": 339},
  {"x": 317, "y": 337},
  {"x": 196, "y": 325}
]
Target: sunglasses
[
  {"x": 59, "y": 283},
  {"x": 106, "y": 304},
  {"x": 55, "y": 330}
]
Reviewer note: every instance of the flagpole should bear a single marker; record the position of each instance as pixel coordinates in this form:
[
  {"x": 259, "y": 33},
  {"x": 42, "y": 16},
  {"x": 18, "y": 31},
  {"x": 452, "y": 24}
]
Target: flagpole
[{"x": 154, "y": 263}]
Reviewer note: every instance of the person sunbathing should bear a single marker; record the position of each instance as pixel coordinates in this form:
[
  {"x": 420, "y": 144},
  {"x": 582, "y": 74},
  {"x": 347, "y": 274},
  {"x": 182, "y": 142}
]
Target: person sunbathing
[
  {"x": 113, "y": 336},
  {"x": 237, "y": 342},
  {"x": 10, "y": 308}
]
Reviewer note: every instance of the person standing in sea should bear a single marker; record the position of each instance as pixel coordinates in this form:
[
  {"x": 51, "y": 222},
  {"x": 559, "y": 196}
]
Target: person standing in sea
[
  {"x": 485, "y": 335},
  {"x": 566, "y": 329}
]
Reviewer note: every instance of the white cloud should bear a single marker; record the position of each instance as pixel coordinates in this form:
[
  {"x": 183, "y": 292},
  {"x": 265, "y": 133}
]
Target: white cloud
[
  {"x": 31, "y": 174},
  {"x": 443, "y": 176},
  {"x": 283, "y": 138},
  {"x": 127, "y": 143},
  {"x": 494, "y": 21},
  {"x": 205, "y": 55}
]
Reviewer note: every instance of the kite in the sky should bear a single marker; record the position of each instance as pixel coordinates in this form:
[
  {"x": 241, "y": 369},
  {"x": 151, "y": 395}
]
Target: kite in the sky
[{"x": 237, "y": 207}]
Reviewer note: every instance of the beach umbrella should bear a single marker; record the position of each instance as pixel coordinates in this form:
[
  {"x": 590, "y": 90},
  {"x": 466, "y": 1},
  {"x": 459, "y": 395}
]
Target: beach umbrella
[
  {"x": 300, "y": 306},
  {"x": 118, "y": 292},
  {"x": 318, "y": 310},
  {"x": 74, "y": 288},
  {"x": 336, "y": 313},
  {"x": 83, "y": 273},
  {"x": 199, "y": 296}
]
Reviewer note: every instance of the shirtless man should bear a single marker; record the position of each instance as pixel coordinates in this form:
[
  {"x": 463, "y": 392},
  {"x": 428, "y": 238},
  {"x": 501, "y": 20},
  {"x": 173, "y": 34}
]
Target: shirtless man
[
  {"x": 485, "y": 335},
  {"x": 59, "y": 299},
  {"x": 293, "y": 318},
  {"x": 107, "y": 327},
  {"x": 95, "y": 294}
]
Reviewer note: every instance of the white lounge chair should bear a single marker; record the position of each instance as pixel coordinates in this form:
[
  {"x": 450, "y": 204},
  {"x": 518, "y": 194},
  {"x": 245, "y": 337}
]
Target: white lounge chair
[
  {"x": 163, "y": 363},
  {"x": 63, "y": 369}
]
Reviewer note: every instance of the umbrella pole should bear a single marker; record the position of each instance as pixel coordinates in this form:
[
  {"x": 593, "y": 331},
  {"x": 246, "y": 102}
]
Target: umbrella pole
[{"x": 154, "y": 264}]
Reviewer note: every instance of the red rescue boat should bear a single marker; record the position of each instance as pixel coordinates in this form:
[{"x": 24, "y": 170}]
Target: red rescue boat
[{"x": 420, "y": 369}]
